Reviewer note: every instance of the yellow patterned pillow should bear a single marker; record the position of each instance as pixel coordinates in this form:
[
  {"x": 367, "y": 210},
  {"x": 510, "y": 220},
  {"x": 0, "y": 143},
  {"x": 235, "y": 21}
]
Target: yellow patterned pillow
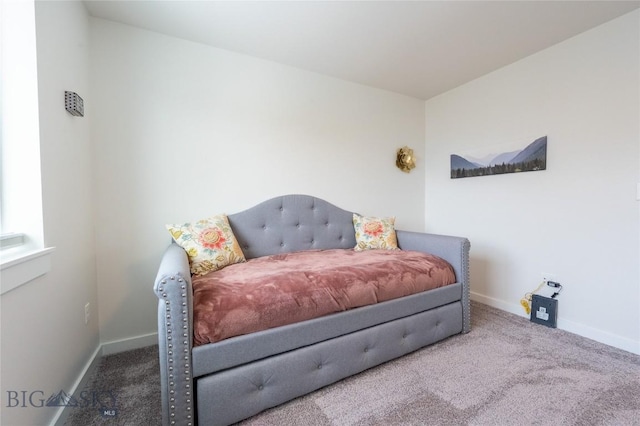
[
  {"x": 209, "y": 243},
  {"x": 375, "y": 233}
]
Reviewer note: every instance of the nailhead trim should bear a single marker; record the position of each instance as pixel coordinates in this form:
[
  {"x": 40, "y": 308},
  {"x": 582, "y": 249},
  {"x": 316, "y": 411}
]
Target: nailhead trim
[{"x": 172, "y": 385}]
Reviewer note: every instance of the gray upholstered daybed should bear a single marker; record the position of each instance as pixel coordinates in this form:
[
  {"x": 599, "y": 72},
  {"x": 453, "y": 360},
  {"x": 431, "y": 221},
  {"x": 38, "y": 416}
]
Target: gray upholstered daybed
[{"x": 238, "y": 377}]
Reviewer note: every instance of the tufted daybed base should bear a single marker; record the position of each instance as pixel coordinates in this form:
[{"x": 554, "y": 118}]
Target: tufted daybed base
[
  {"x": 277, "y": 379},
  {"x": 224, "y": 382}
]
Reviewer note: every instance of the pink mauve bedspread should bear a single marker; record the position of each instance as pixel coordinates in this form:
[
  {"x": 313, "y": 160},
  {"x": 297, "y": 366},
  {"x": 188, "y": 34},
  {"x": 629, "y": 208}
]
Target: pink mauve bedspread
[{"x": 283, "y": 289}]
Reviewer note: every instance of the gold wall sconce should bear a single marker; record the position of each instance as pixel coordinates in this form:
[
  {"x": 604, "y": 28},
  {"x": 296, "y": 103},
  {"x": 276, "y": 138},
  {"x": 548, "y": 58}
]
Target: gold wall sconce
[{"x": 405, "y": 159}]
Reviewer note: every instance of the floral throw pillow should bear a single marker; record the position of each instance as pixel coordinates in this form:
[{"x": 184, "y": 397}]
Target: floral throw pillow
[
  {"x": 209, "y": 243},
  {"x": 375, "y": 233}
]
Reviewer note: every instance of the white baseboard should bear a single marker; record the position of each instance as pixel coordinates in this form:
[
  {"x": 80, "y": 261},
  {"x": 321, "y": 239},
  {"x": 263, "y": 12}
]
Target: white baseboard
[
  {"x": 137, "y": 342},
  {"x": 103, "y": 349},
  {"x": 63, "y": 412},
  {"x": 607, "y": 338},
  {"x": 499, "y": 304}
]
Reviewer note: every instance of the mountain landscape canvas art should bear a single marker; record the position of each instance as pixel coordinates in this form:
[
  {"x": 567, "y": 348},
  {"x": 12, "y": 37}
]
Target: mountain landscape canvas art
[{"x": 531, "y": 158}]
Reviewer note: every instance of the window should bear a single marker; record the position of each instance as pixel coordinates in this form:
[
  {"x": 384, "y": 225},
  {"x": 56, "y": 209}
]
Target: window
[{"x": 21, "y": 229}]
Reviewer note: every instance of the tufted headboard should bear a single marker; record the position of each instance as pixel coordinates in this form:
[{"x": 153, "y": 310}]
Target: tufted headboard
[{"x": 292, "y": 223}]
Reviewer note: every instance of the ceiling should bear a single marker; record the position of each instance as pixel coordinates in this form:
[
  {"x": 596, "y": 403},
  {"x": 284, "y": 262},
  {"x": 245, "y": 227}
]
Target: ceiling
[{"x": 417, "y": 48}]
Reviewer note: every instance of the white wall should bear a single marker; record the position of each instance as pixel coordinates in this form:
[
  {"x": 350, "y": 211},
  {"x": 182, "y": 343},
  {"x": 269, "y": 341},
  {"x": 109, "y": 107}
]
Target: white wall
[
  {"x": 182, "y": 131},
  {"x": 45, "y": 342},
  {"x": 579, "y": 218},
  {"x": 186, "y": 131}
]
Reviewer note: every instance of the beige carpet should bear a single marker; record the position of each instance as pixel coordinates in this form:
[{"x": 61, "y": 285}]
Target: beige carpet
[{"x": 507, "y": 371}]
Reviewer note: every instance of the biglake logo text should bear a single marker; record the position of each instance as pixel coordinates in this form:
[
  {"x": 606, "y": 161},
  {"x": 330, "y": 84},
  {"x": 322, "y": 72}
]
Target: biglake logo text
[{"x": 104, "y": 401}]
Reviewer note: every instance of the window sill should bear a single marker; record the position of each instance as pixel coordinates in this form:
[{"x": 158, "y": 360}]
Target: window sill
[
  {"x": 19, "y": 270},
  {"x": 11, "y": 239}
]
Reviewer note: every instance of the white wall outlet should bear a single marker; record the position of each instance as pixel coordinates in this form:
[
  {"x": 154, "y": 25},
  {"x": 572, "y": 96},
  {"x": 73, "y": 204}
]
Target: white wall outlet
[{"x": 87, "y": 313}]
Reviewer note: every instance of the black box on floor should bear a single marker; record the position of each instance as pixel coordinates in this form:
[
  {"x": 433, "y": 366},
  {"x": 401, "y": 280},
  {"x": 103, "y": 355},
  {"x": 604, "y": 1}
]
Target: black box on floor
[{"x": 544, "y": 310}]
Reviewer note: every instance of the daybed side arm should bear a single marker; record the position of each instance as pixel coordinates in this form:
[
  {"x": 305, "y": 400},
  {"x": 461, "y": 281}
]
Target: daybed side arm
[
  {"x": 175, "y": 331},
  {"x": 454, "y": 250}
]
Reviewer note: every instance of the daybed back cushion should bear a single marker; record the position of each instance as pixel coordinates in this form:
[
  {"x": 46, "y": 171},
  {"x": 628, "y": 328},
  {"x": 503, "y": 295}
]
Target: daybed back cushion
[{"x": 292, "y": 223}]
